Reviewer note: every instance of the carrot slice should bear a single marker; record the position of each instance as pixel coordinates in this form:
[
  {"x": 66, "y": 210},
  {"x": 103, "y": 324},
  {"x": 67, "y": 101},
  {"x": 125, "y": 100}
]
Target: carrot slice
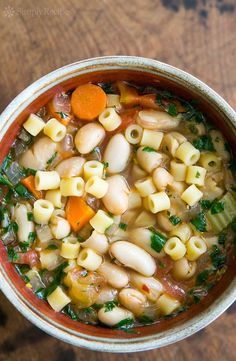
[
  {"x": 78, "y": 213},
  {"x": 29, "y": 183},
  {"x": 88, "y": 101}
]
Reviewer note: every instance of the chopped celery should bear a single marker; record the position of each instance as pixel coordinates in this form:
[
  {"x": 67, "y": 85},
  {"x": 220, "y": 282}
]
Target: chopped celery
[{"x": 221, "y": 220}]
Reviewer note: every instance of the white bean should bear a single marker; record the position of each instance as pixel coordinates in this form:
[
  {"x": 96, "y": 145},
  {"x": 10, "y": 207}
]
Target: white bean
[
  {"x": 117, "y": 153},
  {"x": 133, "y": 300},
  {"x": 142, "y": 237},
  {"x": 113, "y": 317},
  {"x": 88, "y": 137},
  {"x": 133, "y": 257},
  {"x": 116, "y": 199},
  {"x": 115, "y": 275},
  {"x": 71, "y": 167},
  {"x": 38, "y": 155},
  {"x": 150, "y": 286},
  {"x": 24, "y": 225},
  {"x": 149, "y": 160},
  {"x": 155, "y": 119}
]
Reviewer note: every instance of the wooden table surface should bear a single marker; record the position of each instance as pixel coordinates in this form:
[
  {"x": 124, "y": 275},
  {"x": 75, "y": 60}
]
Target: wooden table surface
[{"x": 36, "y": 37}]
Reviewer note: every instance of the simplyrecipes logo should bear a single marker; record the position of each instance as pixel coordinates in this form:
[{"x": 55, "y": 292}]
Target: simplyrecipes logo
[{"x": 10, "y": 11}]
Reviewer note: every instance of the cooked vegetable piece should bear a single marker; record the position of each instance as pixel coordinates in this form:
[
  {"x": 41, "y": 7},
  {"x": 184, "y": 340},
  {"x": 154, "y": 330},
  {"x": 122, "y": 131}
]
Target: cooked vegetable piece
[
  {"x": 78, "y": 213},
  {"x": 29, "y": 183},
  {"x": 88, "y": 101},
  {"x": 221, "y": 219}
]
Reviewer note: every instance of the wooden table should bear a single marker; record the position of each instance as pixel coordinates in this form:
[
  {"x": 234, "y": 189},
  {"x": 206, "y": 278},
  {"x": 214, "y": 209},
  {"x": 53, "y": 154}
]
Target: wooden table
[{"x": 37, "y": 37}]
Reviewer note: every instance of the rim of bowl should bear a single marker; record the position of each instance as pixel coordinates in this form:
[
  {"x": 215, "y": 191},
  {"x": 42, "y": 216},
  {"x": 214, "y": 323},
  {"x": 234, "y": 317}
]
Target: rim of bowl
[{"x": 17, "y": 105}]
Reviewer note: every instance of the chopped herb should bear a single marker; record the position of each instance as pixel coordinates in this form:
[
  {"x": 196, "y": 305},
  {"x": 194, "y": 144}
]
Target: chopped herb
[
  {"x": 222, "y": 238},
  {"x": 69, "y": 312},
  {"x": 218, "y": 258},
  {"x": 12, "y": 255},
  {"x": 217, "y": 207},
  {"x": 24, "y": 246},
  {"x": 125, "y": 324},
  {"x": 51, "y": 247},
  {"x": 29, "y": 171},
  {"x": 57, "y": 277},
  {"x": 198, "y": 175},
  {"x": 158, "y": 241},
  {"x": 97, "y": 306},
  {"x": 5, "y": 181},
  {"x": 84, "y": 273},
  {"x": 233, "y": 189},
  {"x": 11, "y": 226},
  {"x": 145, "y": 320},
  {"x": 203, "y": 276},
  {"x": 161, "y": 264},
  {"x": 175, "y": 220},
  {"x": 31, "y": 237},
  {"x": 205, "y": 204},
  {"x": 6, "y": 162},
  {"x": 123, "y": 226},
  {"x": 105, "y": 165},
  {"x": 199, "y": 222},
  {"x": 22, "y": 269},
  {"x": 204, "y": 143},
  {"x": 172, "y": 109},
  {"x": 233, "y": 225},
  {"x": 30, "y": 216},
  {"x": 80, "y": 238},
  {"x": 110, "y": 214},
  {"x": 40, "y": 293},
  {"x": 23, "y": 192},
  {"x": 107, "y": 87},
  {"x": 62, "y": 115},
  {"x": 87, "y": 310},
  {"x": 193, "y": 129},
  {"x": 196, "y": 294},
  {"x": 110, "y": 305},
  {"x": 50, "y": 160},
  {"x": 148, "y": 149},
  {"x": 8, "y": 196},
  {"x": 159, "y": 99}
]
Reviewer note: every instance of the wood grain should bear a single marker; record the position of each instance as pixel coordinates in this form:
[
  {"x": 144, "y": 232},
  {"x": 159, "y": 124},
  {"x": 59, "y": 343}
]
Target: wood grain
[{"x": 198, "y": 36}]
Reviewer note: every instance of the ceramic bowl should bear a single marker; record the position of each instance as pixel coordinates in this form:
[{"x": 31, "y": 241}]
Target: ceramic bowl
[{"x": 56, "y": 324}]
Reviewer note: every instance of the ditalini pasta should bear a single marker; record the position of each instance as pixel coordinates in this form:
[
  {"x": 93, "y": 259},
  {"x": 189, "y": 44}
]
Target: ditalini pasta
[{"x": 119, "y": 207}]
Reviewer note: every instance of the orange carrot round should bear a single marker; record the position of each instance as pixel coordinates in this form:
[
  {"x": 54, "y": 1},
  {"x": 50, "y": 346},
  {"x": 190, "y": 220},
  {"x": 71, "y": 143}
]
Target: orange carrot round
[{"x": 88, "y": 101}]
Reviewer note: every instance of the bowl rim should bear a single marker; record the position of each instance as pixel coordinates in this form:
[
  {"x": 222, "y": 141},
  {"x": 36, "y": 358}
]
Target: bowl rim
[{"x": 17, "y": 105}]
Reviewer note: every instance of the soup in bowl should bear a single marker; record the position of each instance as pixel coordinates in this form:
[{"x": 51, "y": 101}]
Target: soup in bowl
[{"x": 118, "y": 209}]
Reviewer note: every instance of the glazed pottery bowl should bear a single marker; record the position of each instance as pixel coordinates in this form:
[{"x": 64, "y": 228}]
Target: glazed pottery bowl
[{"x": 139, "y": 70}]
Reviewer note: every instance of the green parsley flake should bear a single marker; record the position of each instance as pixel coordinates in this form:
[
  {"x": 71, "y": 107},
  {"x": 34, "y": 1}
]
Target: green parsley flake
[
  {"x": 158, "y": 241},
  {"x": 108, "y": 306},
  {"x": 204, "y": 143},
  {"x": 217, "y": 207},
  {"x": 199, "y": 222},
  {"x": 123, "y": 226},
  {"x": 62, "y": 115},
  {"x": 12, "y": 255},
  {"x": 50, "y": 160},
  {"x": 175, "y": 220},
  {"x": 198, "y": 175},
  {"x": 172, "y": 109},
  {"x": 148, "y": 149},
  {"x": 218, "y": 258}
]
